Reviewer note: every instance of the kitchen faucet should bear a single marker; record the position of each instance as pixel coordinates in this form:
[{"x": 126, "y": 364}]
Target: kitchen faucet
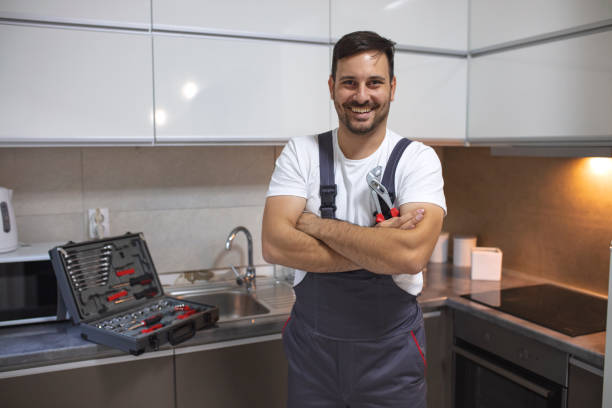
[{"x": 249, "y": 277}]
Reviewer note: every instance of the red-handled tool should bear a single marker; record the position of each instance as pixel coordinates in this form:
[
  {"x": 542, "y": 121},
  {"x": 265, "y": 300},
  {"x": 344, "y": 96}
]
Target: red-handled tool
[
  {"x": 138, "y": 280},
  {"x": 150, "y": 329},
  {"x": 380, "y": 191},
  {"x": 149, "y": 321},
  {"x": 125, "y": 272},
  {"x": 187, "y": 314},
  {"x": 117, "y": 295},
  {"x": 148, "y": 293}
]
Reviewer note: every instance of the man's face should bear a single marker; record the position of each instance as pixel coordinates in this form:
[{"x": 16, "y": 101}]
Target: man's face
[{"x": 362, "y": 91}]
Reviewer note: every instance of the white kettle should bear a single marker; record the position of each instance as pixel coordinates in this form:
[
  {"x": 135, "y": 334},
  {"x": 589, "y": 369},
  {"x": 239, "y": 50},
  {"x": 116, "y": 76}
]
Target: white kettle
[{"x": 8, "y": 228}]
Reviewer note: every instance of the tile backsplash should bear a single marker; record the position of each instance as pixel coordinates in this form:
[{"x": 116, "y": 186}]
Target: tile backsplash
[
  {"x": 185, "y": 200},
  {"x": 552, "y": 217}
]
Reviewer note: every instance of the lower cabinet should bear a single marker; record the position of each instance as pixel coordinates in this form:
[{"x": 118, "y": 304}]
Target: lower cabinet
[
  {"x": 438, "y": 332},
  {"x": 252, "y": 375},
  {"x": 585, "y": 386},
  {"x": 145, "y": 382}
]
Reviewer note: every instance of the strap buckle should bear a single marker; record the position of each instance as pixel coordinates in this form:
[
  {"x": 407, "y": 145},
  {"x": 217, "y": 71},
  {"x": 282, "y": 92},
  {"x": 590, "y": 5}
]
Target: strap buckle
[{"x": 328, "y": 201}]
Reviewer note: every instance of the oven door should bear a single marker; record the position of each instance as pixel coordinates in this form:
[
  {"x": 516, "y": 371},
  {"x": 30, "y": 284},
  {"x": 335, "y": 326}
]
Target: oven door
[
  {"x": 481, "y": 380},
  {"x": 28, "y": 293}
]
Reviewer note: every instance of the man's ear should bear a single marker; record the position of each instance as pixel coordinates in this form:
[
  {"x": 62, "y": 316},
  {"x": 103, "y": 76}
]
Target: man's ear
[
  {"x": 330, "y": 83},
  {"x": 393, "y": 84}
]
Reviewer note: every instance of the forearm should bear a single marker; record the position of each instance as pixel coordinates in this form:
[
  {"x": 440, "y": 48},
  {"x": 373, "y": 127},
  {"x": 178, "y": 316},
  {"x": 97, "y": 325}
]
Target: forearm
[
  {"x": 380, "y": 250},
  {"x": 295, "y": 249},
  {"x": 374, "y": 249}
]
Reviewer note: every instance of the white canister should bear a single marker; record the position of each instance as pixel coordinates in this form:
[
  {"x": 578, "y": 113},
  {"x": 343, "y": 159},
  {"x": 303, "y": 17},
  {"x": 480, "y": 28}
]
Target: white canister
[
  {"x": 486, "y": 263},
  {"x": 462, "y": 250},
  {"x": 440, "y": 252}
]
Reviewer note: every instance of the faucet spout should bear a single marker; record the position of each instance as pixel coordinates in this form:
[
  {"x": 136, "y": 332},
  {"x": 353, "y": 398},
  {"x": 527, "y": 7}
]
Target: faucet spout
[{"x": 249, "y": 276}]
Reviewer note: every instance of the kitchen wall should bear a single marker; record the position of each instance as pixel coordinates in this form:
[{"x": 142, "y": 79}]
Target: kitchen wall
[
  {"x": 552, "y": 217},
  {"x": 184, "y": 199}
]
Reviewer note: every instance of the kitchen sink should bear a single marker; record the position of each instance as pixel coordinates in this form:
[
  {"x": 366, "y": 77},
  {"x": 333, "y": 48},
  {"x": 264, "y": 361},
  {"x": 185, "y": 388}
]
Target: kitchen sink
[{"x": 232, "y": 305}]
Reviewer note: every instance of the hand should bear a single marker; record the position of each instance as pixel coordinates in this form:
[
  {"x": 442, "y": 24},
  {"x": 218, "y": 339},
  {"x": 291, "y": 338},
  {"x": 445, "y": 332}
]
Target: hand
[
  {"x": 406, "y": 221},
  {"x": 306, "y": 222}
]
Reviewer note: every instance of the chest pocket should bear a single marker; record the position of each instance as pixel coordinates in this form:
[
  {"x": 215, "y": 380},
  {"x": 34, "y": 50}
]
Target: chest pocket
[{"x": 328, "y": 188}]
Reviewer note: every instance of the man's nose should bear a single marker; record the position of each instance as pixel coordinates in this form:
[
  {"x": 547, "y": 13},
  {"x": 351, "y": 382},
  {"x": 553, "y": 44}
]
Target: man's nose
[{"x": 361, "y": 94}]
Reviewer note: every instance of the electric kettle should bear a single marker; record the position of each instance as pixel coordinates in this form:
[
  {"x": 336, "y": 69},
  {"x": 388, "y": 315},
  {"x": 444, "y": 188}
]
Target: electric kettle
[{"x": 8, "y": 228}]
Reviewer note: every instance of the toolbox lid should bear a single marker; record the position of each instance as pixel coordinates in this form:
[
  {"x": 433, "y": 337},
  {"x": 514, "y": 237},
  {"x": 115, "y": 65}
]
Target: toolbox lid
[{"x": 106, "y": 276}]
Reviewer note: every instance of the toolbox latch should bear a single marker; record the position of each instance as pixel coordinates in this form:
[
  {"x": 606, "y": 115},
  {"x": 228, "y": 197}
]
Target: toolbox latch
[{"x": 182, "y": 333}]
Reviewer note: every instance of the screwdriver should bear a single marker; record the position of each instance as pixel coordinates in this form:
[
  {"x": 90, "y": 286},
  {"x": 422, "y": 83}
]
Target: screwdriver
[
  {"x": 147, "y": 322},
  {"x": 148, "y": 293},
  {"x": 138, "y": 280}
]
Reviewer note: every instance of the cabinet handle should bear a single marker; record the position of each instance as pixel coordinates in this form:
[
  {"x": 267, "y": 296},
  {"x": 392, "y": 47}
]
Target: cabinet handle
[{"x": 504, "y": 373}]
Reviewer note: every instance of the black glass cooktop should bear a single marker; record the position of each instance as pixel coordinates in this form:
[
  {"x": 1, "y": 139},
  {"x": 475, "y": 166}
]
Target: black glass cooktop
[{"x": 564, "y": 310}]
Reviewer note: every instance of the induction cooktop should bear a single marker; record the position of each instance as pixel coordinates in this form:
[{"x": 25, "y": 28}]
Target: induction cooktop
[{"x": 567, "y": 311}]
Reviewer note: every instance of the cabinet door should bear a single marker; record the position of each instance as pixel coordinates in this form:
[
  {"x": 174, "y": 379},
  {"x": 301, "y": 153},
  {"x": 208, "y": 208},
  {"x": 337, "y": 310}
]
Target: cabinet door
[
  {"x": 235, "y": 90},
  {"x": 253, "y": 375},
  {"x": 430, "y": 99},
  {"x": 131, "y": 13},
  {"x": 71, "y": 86},
  {"x": 500, "y": 21},
  {"x": 585, "y": 386},
  {"x": 421, "y": 23},
  {"x": 554, "y": 92},
  {"x": 439, "y": 339},
  {"x": 276, "y": 18},
  {"x": 143, "y": 382}
]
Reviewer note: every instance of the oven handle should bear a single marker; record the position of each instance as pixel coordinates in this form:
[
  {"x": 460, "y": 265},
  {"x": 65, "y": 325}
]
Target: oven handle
[{"x": 504, "y": 373}]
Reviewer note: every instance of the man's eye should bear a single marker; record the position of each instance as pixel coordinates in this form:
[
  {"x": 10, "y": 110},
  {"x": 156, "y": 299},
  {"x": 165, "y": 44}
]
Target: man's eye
[{"x": 349, "y": 83}]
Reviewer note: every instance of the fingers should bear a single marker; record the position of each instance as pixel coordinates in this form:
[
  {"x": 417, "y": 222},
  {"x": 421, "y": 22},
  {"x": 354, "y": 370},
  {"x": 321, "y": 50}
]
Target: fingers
[
  {"x": 413, "y": 218},
  {"x": 405, "y": 222}
]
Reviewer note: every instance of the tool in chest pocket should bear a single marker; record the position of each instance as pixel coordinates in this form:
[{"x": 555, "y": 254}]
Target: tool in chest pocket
[
  {"x": 380, "y": 192},
  {"x": 113, "y": 293}
]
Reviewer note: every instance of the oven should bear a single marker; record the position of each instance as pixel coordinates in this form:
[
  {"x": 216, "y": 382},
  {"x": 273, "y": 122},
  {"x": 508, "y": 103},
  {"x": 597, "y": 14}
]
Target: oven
[
  {"x": 497, "y": 367},
  {"x": 28, "y": 289}
]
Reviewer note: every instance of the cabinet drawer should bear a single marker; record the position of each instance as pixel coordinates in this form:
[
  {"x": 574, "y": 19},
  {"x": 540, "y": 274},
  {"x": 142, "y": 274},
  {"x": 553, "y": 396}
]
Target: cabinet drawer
[{"x": 509, "y": 345}]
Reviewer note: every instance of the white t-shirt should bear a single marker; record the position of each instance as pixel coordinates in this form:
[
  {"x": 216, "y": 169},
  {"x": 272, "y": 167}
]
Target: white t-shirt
[{"x": 418, "y": 178}]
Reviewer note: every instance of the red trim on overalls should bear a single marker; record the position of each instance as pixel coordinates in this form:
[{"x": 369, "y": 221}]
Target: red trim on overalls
[
  {"x": 419, "y": 347},
  {"x": 283, "y": 331}
]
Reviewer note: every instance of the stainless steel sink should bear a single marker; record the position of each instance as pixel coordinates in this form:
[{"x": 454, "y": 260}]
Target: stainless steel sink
[{"x": 232, "y": 305}]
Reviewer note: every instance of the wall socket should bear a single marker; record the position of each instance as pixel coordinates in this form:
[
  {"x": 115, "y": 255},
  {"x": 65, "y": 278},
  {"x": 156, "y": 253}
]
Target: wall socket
[{"x": 99, "y": 223}]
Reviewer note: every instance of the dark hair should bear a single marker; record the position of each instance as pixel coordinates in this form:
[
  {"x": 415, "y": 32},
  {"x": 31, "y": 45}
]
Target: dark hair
[{"x": 359, "y": 41}]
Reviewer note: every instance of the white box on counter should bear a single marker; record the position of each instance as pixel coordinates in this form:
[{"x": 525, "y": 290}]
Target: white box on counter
[{"x": 486, "y": 263}]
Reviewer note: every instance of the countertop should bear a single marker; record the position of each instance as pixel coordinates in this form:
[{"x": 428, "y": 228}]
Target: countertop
[{"x": 25, "y": 347}]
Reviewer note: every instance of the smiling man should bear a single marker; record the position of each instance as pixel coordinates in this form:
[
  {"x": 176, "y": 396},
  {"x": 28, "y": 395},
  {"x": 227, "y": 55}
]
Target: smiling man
[{"x": 355, "y": 337}]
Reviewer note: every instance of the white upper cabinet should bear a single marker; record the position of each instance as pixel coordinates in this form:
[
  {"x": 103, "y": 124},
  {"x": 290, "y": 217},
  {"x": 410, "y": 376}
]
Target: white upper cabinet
[
  {"x": 238, "y": 90},
  {"x": 440, "y": 24},
  {"x": 73, "y": 86},
  {"x": 126, "y": 13},
  {"x": 430, "y": 98},
  {"x": 429, "y": 103},
  {"x": 495, "y": 22},
  {"x": 557, "y": 91},
  {"x": 270, "y": 18}
]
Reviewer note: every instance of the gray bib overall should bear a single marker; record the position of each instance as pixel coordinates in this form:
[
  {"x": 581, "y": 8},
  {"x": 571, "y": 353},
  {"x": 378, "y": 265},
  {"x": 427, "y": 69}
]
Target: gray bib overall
[{"x": 354, "y": 339}]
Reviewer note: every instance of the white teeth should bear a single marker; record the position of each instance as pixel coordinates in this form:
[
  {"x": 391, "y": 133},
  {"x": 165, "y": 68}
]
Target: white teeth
[{"x": 360, "y": 110}]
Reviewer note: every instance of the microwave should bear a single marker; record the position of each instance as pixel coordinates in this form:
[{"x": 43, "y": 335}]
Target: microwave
[{"x": 28, "y": 289}]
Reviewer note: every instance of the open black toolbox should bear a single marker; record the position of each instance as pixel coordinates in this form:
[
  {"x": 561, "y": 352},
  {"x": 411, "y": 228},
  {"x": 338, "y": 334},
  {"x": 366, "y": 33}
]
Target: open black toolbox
[{"x": 112, "y": 291}]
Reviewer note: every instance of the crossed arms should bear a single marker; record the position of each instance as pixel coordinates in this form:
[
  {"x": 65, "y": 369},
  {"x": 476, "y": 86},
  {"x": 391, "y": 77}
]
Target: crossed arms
[{"x": 305, "y": 241}]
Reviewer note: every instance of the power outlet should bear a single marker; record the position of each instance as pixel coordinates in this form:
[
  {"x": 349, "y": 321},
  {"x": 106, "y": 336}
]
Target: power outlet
[{"x": 99, "y": 223}]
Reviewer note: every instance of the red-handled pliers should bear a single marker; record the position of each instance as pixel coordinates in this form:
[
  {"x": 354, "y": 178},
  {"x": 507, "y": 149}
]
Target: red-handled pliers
[{"x": 379, "y": 190}]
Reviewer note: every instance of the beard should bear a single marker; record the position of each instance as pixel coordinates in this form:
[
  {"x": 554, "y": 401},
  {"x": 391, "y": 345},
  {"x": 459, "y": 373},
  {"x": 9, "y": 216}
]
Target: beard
[{"x": 381, "y": 112}]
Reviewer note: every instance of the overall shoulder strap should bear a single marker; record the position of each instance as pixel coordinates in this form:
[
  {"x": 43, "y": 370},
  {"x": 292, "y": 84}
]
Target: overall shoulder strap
[
  {"x": 388, "y": 179},
  {"x": 327, "y": 189}
]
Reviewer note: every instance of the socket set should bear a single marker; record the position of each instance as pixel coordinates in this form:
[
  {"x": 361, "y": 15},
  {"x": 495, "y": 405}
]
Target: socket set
[{"x": 113, "y": 293}]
